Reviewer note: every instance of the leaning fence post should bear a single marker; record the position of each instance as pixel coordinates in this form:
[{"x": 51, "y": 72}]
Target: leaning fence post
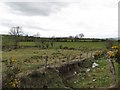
[
  {"x": 59, "y": 61},
  {"x": 68, "y": 59},
  {"x": 46, "y": 60},
  {"x": 87, "y": 54},
  {"x": 112, "y": 69},
  {"x": 55, "y": 62},
  {"x": 91, "y": 53},
  {"x": 80, "y": 56}
]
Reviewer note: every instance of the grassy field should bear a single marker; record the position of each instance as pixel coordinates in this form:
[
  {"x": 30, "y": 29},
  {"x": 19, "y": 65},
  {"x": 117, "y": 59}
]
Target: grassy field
[
  {"x": 32, "y": 58},
  {"x": 98, "y": 77},
  {"x": 93, "y": 45}
]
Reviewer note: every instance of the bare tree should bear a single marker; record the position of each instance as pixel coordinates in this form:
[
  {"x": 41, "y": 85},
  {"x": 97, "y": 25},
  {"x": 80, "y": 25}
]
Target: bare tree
[
  {"x": 37, "y": 35},
  {"x": 70, "y": 37},
  {"x": 76, "y": 36},
  {"x": 81, "y": 35},
  {"x": 16, "y": 32}
]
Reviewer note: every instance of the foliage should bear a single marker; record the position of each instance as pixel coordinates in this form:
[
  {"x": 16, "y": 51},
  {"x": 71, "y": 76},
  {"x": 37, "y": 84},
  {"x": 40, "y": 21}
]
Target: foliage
[
  {"x": 16, "y": 32},
  {"x": 115, "y": 53},
  {"x": 33, "y": 59},
  {"x": 97, "y": 55},
  {"x": 11, "y": 81}
]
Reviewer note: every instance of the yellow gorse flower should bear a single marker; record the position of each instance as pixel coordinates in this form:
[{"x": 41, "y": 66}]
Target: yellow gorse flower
[
  {"x": 110, "y": 54},
  {"x": 97, "y": 53},
  {"x": 15, "y": 83},
  {"x": 13, "y": 60},
  {"x": 116, "y": 50},
  {"x": 116, "y": 47}
]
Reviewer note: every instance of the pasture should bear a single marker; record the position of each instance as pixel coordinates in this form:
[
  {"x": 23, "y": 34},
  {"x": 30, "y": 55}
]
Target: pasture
[
  {"x": 30, "y": 58},
  {"x": 77, "y": 45}
]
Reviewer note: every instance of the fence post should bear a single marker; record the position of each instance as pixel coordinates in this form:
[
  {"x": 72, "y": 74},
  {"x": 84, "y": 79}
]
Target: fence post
[
  {"x": 80, "y": 56},
  {"x": 91, "y": 53},
  {"x": 68, "y": 59},
  {"x": 68, "y": 62},
  {"x": 87, "y": 54},
  {"x": 46, "y": 60},
  {"x": 59, "y": 61},
  {"x": 112, "y": 69}
]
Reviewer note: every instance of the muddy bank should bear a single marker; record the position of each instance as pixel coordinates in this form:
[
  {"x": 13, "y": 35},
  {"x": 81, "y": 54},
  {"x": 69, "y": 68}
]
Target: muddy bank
[
  {"x": 69, "y": 71},
  {"x": 73, "y": 66}
]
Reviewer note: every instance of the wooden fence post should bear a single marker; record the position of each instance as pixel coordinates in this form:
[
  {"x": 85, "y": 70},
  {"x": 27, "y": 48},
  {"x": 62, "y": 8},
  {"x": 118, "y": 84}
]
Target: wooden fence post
[
  {"x": 46, "y": 61},
  {"x": 80, "y": 56},
  {"x": 87, "y": 54},
  {"x": 112, "y": 69},
  {"x": 91, "y": 53},
  {"x": 68, "y": 57}
]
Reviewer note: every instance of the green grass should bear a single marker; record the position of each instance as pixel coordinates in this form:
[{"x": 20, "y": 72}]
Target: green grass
[
  {"x": 30, "y": 57},
  {"x": 101, "y": 74},
  {"x": 27, "y": 58},
  {"x": 91, "y": 45},
  {"x": 27, "y": 44},
  {"x": 37, "y": 79},
  {"x": 26, "y": 53}
]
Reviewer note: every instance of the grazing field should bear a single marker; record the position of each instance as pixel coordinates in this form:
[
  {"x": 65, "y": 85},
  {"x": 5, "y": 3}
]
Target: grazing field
[
  {"x": 98, "y": 77},
  {"x": 41, "y": 65},
  {"x": 33, "y": 57},
  {"x": 91, "y": 45}
]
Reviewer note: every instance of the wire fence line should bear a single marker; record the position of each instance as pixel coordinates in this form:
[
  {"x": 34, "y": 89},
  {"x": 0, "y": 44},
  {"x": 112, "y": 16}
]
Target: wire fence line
[{"x": 57, "y": 62}]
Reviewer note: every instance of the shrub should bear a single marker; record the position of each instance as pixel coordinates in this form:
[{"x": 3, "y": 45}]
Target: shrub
[
  {"x": 60, "y": 46},
  {"x": 97, "y": 55},
  {"x": 11, "y": 81}
]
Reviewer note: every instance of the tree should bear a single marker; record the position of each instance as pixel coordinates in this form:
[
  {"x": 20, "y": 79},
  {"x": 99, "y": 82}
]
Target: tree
[
  {"x": 16, "y": 32},
  {"x": 53, "y": 37},
  {"x": 76, "y": 36},
  {"x": 70, "y": 37},
  {"x": 37, "y": 35},
  {"x": 81, "y": 35}
]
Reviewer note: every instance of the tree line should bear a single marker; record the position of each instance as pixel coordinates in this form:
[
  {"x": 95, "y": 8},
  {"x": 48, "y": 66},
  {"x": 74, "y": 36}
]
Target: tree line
[{"x": 16, "y": 35}]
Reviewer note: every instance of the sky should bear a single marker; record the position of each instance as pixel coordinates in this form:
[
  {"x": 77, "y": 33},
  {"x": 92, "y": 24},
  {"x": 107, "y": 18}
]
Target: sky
[{"x": 93, "y": 18}]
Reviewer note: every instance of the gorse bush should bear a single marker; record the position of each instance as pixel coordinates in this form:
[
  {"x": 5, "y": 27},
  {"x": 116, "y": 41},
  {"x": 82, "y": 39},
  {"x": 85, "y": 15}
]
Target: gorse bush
[
  {"x": 110, "y": 54},
  {"x": 13, "y": 68},
  {"x": 97, "y": 55},
  {"x": 115, "y": 53}
]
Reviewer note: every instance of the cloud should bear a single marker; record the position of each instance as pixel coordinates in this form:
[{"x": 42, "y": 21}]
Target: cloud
[
  {"x": 35, "y": 8},
  {"x": 25, "y": 24},
  {"x": 93, "y": 18}
]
